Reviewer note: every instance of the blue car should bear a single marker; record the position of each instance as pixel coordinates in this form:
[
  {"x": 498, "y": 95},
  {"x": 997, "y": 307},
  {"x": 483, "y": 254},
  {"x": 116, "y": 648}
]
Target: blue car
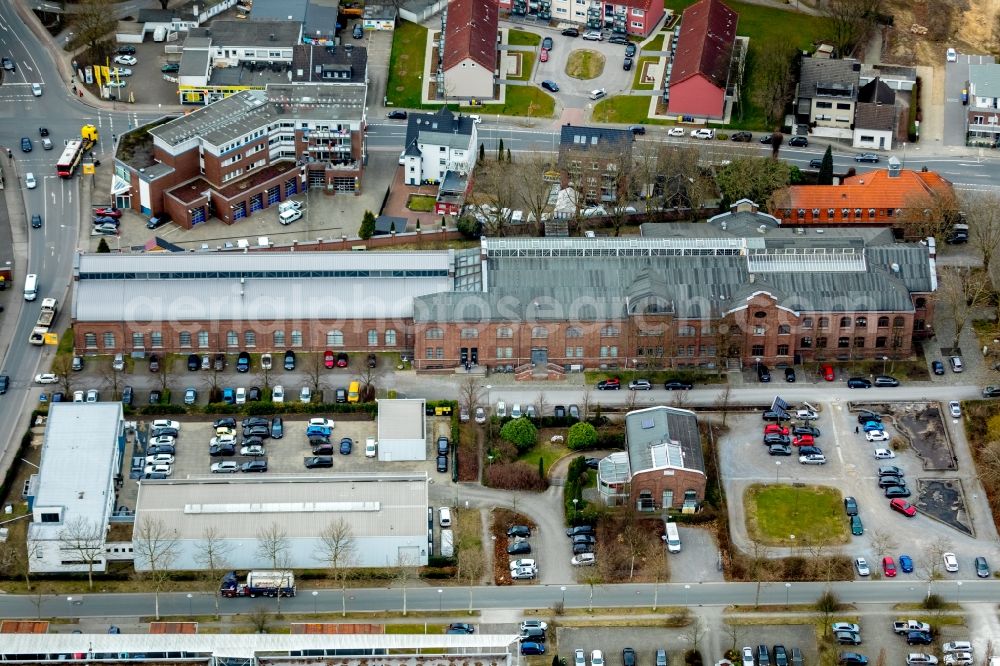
[
  {"x": 345, "y": 446},
  {"x": 318, "y": 431},
  {"x": 873, "y": 425},
  {"x": 905, "y": 564},
  {"x": 532, "y": 648},
  {"x": 229, "y": 396}
]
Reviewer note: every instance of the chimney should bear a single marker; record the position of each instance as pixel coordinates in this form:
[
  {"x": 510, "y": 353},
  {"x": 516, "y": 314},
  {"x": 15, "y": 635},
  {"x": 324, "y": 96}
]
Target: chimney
[{"x": 271, "y": 37}]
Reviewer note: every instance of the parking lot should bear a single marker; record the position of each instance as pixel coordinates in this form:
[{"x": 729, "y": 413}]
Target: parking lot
[{"x": 852, "y": 468}]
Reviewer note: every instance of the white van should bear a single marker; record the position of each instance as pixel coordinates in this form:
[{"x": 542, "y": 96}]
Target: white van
[
  {"x": 447, "y": 543},
  {"x": 444, "y": 516},
  {"x": 31, "y": 287},
  {"x": 289, "y": 216},
  {"x": 289, "y": 205},
  {"x": 672, "y": 539},
  {"x": 956, "y": 364}
]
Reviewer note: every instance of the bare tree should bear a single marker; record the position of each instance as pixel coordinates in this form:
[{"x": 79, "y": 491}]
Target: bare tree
[
  {"x": 338, "y": 548},
  {"x": 14, "y": 561},
  {"x": 367, "y": 384},
  {"x": 932, "y": 560},
  {"x": 630, "y": 401},
  {"x": 314, "y": 371},
  {"x": 472, "y": 564},
  {"x": 113, "y": 380},
  {"x": 259, "y": 619},
  {"x": 734, "y": 631},
  {"x": 694, "y": 633},
  {"x": 758, "y": 568},
  {"x": 155, "y": 548},
  {"x": 93, "y": 20},
  {"x": 585, "y": 402},
  {"x": 960, "y": 292},
  {"x": 773, "y": 78},
  {"x": 273, "y": 545},
  {"x": 166, "y": 371},
  {"x": 213, "y": 555},
  {"x": 405, "y": 570},
  {"x": 988, "y": 464},
  {"x": 533, "y": 181},
  {"x": 470, "y": 392},
  {"x": 493, "y": 191},
  {"x": 85, "y": 540},
  {"x": 882, "y": 542},
  {"x": 62, "y": 366},
  {"x": 852, "y": 22},
  {"x": 929, "y": 214},
  {"x": 983, "y": 217},
  {"x": 543, "y": 405},
  {"x": 633, "y": 537},
  {"x": 722, "y": 402}
]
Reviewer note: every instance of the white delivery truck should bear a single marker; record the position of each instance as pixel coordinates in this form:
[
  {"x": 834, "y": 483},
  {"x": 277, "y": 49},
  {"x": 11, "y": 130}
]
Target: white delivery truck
[
  {"x": 672, "y": 539},
  {"x": 447, "y": 543}
]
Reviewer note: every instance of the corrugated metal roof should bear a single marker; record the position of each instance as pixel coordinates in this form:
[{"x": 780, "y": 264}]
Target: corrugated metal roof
[
  {"x": 77, "y": 464},
  {"x": 371, "y": 504},
  {"x": 656, "y": 427},
  {"x": 243, "y": 645}
]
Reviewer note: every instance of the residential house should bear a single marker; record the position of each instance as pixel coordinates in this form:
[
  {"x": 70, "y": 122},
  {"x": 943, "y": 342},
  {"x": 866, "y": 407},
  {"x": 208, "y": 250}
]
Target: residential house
[
  {"x": 318, "y": 18},
  {"x": 469, "y": 58},
  {"x": 438, "y": 143},
  {"x": 244, "y": 153},
  {"x": 699, "y": 78},
  {"x": 633, "y": 17},
  {"x": 876, "y": 116},
  {"x": 827, "y": 95},
  {"x": 891, "y": 197},
  {"x": 379, "y": 16},
  {"x": 181, "y": 18},
  {"x": 983, "y": 112},
  {"x": 897, "y": 77},
  {"x": 662, "y": 467},
  {"x": 591, "y": 159}
]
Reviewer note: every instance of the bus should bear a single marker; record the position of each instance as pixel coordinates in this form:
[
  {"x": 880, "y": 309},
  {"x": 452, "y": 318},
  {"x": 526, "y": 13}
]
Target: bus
[{"x": 70, "y": 159}]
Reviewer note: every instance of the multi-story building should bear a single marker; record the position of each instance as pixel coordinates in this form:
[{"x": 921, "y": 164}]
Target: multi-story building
[
  {"x": 633, "y": 17},
  {"x": 438, "y": 144},
  {"x": 876, "y": 117},
  {"x": 827, "y": 94},
  {"x": 983, "y": 112},
  {"x": 244, "y": 153},
  {"x": 318, "y": 18},
  {"x": 469, "y": 60},
  {"x": 892, "y": 197},
  {"x": 700, "y": 75},
  {"x": 590, "y": 160}
]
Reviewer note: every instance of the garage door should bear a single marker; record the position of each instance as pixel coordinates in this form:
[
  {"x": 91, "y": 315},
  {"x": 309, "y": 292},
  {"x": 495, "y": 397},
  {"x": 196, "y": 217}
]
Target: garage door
[
  {"x": 273, "y": 195},
  {"x": 317, "y": 179},
  {"x": 198, "y": 215},
  {"x": 240, "y": 210},
  {"x": 291, "y": 187},
  {"x": 256, "y": 202}
]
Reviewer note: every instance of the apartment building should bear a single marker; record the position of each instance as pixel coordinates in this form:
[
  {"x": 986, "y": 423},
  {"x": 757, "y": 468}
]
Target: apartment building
[
  {"x": 244, "y": 153},
  {"x": 632, "y": 17},
  {"x": 589, "y": 160},
  {"x": 438, "y": 144},
  {"x": 983, "y": 111}
]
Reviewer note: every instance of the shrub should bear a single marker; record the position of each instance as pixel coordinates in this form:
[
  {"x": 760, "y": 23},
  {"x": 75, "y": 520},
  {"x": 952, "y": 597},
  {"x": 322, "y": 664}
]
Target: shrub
[
  {"x": 693, "y": 658},
  {"x": 522, "y": 433},
  {"x": 515, "y": 476},
  {"x": 581, "y": 436}
]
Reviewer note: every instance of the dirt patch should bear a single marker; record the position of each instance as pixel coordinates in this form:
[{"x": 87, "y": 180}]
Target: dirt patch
[
  {"x": 944, "y": 501},
  {"x": 922, "y": 426},
  {"x": 585, "y": 64},
  {"x": 502, "y": 519}
]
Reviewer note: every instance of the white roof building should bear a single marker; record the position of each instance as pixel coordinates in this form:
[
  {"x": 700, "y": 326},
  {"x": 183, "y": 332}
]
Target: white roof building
[
  {"x": 75, "y": 485},
  {"x": 402, "y": 430},
  {"x": 386, "y": 515}
]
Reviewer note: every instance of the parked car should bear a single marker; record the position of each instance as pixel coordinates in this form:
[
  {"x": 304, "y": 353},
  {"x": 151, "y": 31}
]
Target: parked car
[
  {"x": 677, "y": 385},
  {"x": 866, "y": 157},
  {"x": 613, "y": 384},
  {"x": 851, "y": 506},
  {"x": 858, "y": 382},
  {"x": 289, "y": 360},
  {"x": 243, "y": 362},
  {"x": 885, "y": 380},
  {"x": 639, "y": 385},
  {"x": 570, "y": 32},
  {"x": 396, "y": 114},
  {"x": 225, "y": 467},
  {"x": 896, "y": 491},
  {"x": 902, "y": 506},
  {"x": 593, "y": 36},
  {"x": 798, "y": 142},
  {"x": 861, "y": 564},
  {"x": 937, "y": 367},
  {"x": 743, "y": 137},
  {"x": 316, "y": 462},
  {"x": 551, "y": 86},
  {"x": 955, "y": 409},
  {"x": 857, "y": 527}
]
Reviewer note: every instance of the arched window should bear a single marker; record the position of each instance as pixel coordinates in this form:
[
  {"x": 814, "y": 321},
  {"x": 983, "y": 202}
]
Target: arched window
[
  {"x": 807, "y": 322},
  {"x": 90, "y": 340},
  {"x": 372, "y": 338},
  {"x": 434, "y": 334},
  {"x": 250, "y": 338},
  {"x": 574, "y": 332},
  {"x": 883, "y": 322},
  {"x": 335, "y": 338},
  {"x": 184, "y": 339},
  {"x": 279, "y": 338},
  {"x": 390, "y": 338},
  {"x": 685, "y": 332},
  {"x": 232, "y": 339},
  {"x": 539, "y": 332},
  {"x": 898, "y": 322},
  {"x": 845, "y": 322},
  {"x": 505, "y": 332},
  {"x": 920, "y": 302}
]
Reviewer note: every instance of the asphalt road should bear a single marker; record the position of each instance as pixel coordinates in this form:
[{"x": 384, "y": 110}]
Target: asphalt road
[{"x": 516, "y": 597}]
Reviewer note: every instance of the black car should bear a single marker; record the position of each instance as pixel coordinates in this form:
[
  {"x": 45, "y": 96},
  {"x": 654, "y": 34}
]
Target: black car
[
  {"x": 937, "y": 367},
  {"x": 255, "y": 465},
  {"x": 224, "y": 422},
  {"x": 810, "y": 451},
  {"x": 742, "y": 136},
  {"x": 461, "y": 627},
  {"x": 277, "y": 428},
  {"x": 4, "y": 383},
  {"x": 588, "y": 539},
  {"x": 919, "y": 638},
  {"x": 865, "y": 416},
  {"x": 254, "y": 420},
  {"x": 559, "y": 412},
  {"x": 318, "y": 461},
  {"x": 763, "y": 374},
  {"x": 779, "y": 450},
  {"x": 519, "y": 531},
  {"x": 126, "y": 50},
  {"x": 790, "y": 375},
  {"x": 26, "y": 145},
  {"x": 780, "y": 656},
  {"x": 396, "y": 114},
  {"x": 547, "y": 43},
  {"x": 806, "y": 430},
  {"x": 289, "y": 360},
  {"x": 216, "y": 450},
  {"x": 815, "y": 163},
  {"x": 763, "y": 656},
  {"x": 618, "y": 39},
  {"x": 775, "y": 415},
  {"x": 866, "y": 157},
  {"x": 321, "y": 448},
  {"x": 628, "y": 656},
  {"x": 516, "y": 548},
  {"x": 220, "y": 362},
  {"x": 767, "y": 139},
  {"x": 340, "y": 395},
  {"x": 551, "y": 86},
  {"x": 154, "y": 363},
  {"x": 580, "y": 548},
  {"x": 193, "y": 362},
  {"x": 799, "y": 142},
  {"x": 243, "y": 362},
  {"x": 128, "y": 396},
  {"x": 253, "y": 394},
  {"x": 852, "y": 659},
  {"x": 579, "y": 529},
  {"x": 627, "y": 64},
  {"x": 262, "y": 430},
  {"x": 889, "y": 481},
  {"x": 36, "y": 221},
  {"x": 897, "y": 491},
  {"x": 592, "y": 463},
  {"x": 637, "y": 129},
  {"x": 442, "y": 463},
  {"x": 570, "y": 32},
  {"x": 346, "y": 445},
  {"x": 775, "y": 438},
  {"x": 9, "y": 65},
  {"x": 359, "y": 32},
  {"x": 169, "y": 432},
  {"x": 630, "y": 50},
  {"x": 443, "y": 446},
  {"x": 170, "y": 68},
  {"x": 154, "y": 397},
  {"x": 678, "y": 385},
  {"x": 858, "y": 382},
  {"x": 851, "y": 506},
  {"x": 161, "y": 448},
  {"x": 77, "y": 364},
  {"x": 43, "y": 131}
]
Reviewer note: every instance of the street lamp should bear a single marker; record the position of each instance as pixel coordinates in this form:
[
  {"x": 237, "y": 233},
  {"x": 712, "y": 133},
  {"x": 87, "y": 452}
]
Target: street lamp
[
  {"x": 575, "y": 500},
  {"x": 884, "y": 359},
  {"x": 687, "y": 589},
  {"x": 440, "y": 592},
  {"x": 189, "y": 596},
  {"x": 315, "y": 594},
  {"x": 563, "y": 590},
  {"x": 958, "y": 593},
  {"x": 777, "y": 469},
  {"x": 788, "y": 586}
]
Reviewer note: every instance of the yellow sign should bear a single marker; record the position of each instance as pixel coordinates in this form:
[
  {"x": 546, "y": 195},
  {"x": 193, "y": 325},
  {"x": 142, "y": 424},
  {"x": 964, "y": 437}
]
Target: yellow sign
[
  {"x": 52, "y": 338},
  {"x": 88, "y": 168}
]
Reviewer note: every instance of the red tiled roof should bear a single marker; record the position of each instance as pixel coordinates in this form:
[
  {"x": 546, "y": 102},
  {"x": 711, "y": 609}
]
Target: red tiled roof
[
  {"x": 471, "y": 32},
  {"x": 336, "y": 628},
  {"x": 874, "y": 189},
  {"x": 173, "y": 627},
  {"x": 24, "y": 627},
  {"x": 705, "y": 45}
]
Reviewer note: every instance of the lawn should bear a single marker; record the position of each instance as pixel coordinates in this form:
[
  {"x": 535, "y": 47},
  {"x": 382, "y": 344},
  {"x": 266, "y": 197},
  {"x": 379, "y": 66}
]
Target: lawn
[
  {"x": 584, "y": 64},
  {"x": 526, "y": 101},
  {"x": 657, "y": 377},
  {"x": 421, "y": 203},
  {"x": 546, "y": 450},
  {"x": 522, "y": 38},
  {"x": 527, "y": 64},
  {"x": 814, "y": 514},
  {"x": 406, "y": 65},
  {"x": 654, "y": 44},
  {"x": 637, "y": 79},
  {"x": 622, "y": 109},
  {"x": 764, "y": 25}
]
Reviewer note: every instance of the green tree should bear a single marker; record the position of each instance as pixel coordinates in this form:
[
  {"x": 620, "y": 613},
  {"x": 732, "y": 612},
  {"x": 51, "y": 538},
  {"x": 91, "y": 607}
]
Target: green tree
[
  {"x": 94, "y": 20},
  {"x": 102, "y": 247},
  {"x": 522, "y": 433},
  {"x": 826, "y": 168},
  {"x": 500, "y": 150},
  {"x": 367, "y": 225},
  {"x": 754, "y": 178},
  {"x": 581, "y": 436},
  {"x": 482, "y": 152}
]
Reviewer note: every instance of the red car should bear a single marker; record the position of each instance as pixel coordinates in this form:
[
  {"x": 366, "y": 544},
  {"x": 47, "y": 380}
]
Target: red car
[
  {"x": 107, "y": 212},
  {"x": 888, "y": 567},
  {"x": 902, "y": 506},
  {"x": 543, "y": 56},
  {"x": 828, "y": 373},
  {"x": 775, "y": 429},
  {"x": 342, "y": 360},
  {"x": 804, "y": 440},
  {"x": 328, "y": 359}
]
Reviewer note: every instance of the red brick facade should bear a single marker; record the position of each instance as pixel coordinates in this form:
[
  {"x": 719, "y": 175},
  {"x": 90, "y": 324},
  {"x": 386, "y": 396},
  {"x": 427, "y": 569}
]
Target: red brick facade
[{"x": 647, "y": 488}]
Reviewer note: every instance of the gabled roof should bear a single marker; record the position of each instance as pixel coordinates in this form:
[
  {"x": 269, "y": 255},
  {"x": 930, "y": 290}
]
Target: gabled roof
[
  {"x": 877, "y": 92},
  {"x": 705, "y": 46},
  {"x": 599, "y": 138},
  {"x": 443, "y": 128},
  {"x": 985, "y": 80},
  {"x": 471, "y": 32},
  {"x": 820, "y": 72},
  {"x": 880, "y": 117},
  {"x": 875, "y": 189}
]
